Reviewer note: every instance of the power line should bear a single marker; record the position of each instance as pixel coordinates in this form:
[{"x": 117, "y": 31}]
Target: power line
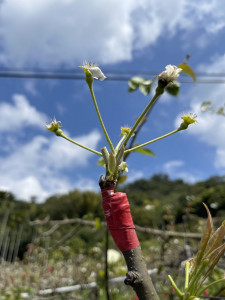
[
  {"x": 76, "y": 70},
  {"x": 111, "y": 75}
]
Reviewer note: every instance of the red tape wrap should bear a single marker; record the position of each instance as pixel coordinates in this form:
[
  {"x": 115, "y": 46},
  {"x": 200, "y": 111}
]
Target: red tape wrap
[{"x": 118, "y": 217}]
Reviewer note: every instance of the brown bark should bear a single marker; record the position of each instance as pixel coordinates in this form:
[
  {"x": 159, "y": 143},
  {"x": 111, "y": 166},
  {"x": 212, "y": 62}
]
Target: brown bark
[{"x": 137, "y": 276}]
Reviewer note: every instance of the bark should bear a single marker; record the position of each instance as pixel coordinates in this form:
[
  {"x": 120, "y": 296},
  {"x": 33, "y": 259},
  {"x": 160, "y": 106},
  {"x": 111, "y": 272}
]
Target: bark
[{"x": 137, "y": 276}]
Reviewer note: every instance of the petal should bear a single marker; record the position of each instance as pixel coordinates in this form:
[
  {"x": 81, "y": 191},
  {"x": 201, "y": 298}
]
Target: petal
[
  {"x": 169, "y": 69},
  {"x": 97, "y": 73}
]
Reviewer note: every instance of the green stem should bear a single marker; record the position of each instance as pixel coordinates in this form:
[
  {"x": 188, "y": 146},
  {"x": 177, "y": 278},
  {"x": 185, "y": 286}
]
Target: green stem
[
  {"x": 159, "y": 91},
  {"x": 118, "y": 145},
  {"x": 80, "y": 145},
  {"x": 100, "y": 118},
  {"x": 179, "y": 293},
  {"x": 152, "y": 141},
  {"x": 187, "y": 268}
]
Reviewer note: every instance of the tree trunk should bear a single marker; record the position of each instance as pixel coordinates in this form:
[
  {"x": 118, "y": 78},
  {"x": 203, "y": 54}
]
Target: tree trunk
[
  {"x": 137, "y": 276},
  {"x": 119, "y": 221}
]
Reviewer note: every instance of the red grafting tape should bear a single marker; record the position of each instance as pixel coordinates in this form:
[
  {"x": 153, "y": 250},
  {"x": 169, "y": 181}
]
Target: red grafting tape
[{"x": 120, "y": 223}]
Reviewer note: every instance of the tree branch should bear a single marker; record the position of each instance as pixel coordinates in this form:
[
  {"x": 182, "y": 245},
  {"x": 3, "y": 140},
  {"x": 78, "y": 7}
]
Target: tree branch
[{"x": 157, "y": 232}]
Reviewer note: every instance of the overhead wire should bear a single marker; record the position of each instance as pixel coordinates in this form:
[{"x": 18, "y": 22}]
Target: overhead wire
[{"x": 112, "y": 75}]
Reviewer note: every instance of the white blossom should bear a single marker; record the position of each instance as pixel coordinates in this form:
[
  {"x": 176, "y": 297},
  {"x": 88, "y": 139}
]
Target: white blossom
[
  {"x": 123, "y": 167},
  {"x": 171, "y": 73},
  {"x": 94, "y": 70}
]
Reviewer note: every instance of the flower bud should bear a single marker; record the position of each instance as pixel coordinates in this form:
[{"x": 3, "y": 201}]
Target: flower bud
[{"x": 125, "y": 131}]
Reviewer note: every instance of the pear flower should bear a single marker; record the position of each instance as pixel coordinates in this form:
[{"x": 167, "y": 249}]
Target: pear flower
[
  {"x": 123, "y": 167},
  {"x": 171, "y": 73},
  {"x": 54, "y": 126},
  {"x": 187, "y": 120},
  {"x": 93, "y": 70}
]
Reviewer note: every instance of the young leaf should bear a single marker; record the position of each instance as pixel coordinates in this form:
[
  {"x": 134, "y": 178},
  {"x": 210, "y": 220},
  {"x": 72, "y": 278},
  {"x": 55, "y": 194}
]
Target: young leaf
[
  {"x": 134, "y": 83},
  {"x": 187, "y": 70},
  {"x": 220, "y": 111},
  {"x": 204, "y": 241},
  {"x": 215, "y": 261},
  {"x": 145, "y": 87},
  {"x": 122, "y": 179},
  {"x": 105, "y": 155},
  {"x": 205, "y": 105},
  {"x": 144, "y": 151},
  {"x": 130, "y": 90},
  {"x": 216, "y": 239},
  {"x": 206, "y": 287},
  {"x": 112, "y": 163},
  {"x": 173, "y": 88},
  {"x": 101, "y": 162},
  {"x": 119, "y": 156}
]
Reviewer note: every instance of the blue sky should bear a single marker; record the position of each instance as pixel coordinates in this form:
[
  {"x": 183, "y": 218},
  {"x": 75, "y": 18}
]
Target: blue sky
[{"x": 128, "y": 35}]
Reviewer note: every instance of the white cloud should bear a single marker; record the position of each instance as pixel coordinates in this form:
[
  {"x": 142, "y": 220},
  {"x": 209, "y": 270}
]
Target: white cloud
[
  {"x": 48, "y": 32},
  {"x": 172, "y": 165},
  {"x": 134, "y": 175},
  {"x": 86, "y": 184},
  {"x": 36, "y": 168},
  {"x": 176, "y": 170},
  {"x": 210, "y": 127},
  {"x": 19, "y": 114}
]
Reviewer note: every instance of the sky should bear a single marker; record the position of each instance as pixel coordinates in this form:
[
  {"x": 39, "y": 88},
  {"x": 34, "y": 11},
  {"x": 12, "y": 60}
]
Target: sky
[{"x": 133, "y": 36}]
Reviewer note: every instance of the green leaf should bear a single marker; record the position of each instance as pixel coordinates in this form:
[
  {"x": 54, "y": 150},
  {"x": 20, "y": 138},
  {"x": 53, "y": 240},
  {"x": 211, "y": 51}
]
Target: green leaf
[
  {"x": 112, "y": 163},
  {"x": 147, "y": 82},
  {"x": 216, "y": 239},
  {"x": 220, "y": 111},
  {"x": 205, "y": 105},
  {"x": 122, "y": 179},
  {"x": 145, "y": 87},
  {"x": 130, "y": 90},
  {"x": 105, "y": 155},
  {"x": 186, "y": 69},
  {"x": 173, "y": 88},
  {"x": 204, "y": 241},
  {"x": 144, "y": 151},
  {"x": 215, "y": 261},
  {"x": 134, "y": 83},
  {"x": 206, "y": 287},
  {"x": 100, "y": 162}
]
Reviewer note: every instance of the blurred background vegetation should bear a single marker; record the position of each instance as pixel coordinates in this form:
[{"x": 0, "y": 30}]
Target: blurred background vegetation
[{"x": 61, "y": 242}]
